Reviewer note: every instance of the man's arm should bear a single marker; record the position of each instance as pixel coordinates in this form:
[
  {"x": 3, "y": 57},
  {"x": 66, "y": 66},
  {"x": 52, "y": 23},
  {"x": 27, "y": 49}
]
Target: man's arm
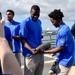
[
  {"x": 26, "y": 45},
  {"x": 9, "y": 63},
  {"x": 54, "y": 50}
]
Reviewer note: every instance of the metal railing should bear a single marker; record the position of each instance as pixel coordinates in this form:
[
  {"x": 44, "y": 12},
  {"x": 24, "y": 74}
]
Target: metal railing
[{"x": 49, "y": 36}]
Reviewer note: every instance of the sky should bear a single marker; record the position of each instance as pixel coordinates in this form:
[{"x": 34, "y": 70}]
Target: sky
[{"x": 22, "y": 10}]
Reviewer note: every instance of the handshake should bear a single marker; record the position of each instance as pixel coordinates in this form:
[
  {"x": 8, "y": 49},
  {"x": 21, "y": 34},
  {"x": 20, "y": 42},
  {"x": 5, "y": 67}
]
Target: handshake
[{"x": 45, "y": 46}]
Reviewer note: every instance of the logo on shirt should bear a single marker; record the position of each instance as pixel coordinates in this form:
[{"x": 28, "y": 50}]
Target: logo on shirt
[{"x": 62, "y": 41}]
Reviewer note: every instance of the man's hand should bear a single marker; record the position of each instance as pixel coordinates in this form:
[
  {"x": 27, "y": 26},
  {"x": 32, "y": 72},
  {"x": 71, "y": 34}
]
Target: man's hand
[
  {"x": 39, "y": 51},
  {"x": 34, "y": 51},
  {"x": 2, "y": 21},
  {"x": 53, "y": 54}
]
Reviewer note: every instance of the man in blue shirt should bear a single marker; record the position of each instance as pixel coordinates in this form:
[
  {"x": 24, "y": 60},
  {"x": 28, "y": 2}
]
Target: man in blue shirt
[
  {"x": 73, "y": 30},
  {"x": 64, "y": 43},
  {"x": 30, "y": 33},
  {"x": 73, "y": 33},
  {"x": 12, "y": 34}
]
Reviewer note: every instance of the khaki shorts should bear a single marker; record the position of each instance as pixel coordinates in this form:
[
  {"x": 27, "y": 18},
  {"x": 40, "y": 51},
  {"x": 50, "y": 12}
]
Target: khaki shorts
[{"x": 33, "y": 65}]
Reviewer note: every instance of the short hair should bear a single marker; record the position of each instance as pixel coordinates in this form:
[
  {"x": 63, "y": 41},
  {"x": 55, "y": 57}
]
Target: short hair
[
  {"x": 35, "y": 7},
  {"x": 11, "y": 11},
  {"x": 56, "y": 14}
]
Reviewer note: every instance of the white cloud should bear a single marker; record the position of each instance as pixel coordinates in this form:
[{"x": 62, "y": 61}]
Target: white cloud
[{"x": 22, "y": 7}]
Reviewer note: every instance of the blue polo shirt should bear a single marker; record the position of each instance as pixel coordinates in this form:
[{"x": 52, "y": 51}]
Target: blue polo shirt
[
  {"x": 12, "y": 29},
  {"x": 31, "y": 31},
  {"x": 64, "y": 38}
]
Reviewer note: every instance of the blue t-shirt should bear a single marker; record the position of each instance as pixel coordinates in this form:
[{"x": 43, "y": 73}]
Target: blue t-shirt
[
  {"x": 64, "y": 38},
  {"x": 31, "y": 31},
  {"x": 12, "y": 29}
]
